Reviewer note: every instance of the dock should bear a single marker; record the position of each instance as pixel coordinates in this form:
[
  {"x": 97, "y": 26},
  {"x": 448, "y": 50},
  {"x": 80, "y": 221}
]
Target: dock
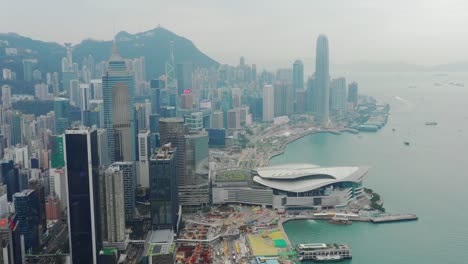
[{"x": 393, "y": 218}]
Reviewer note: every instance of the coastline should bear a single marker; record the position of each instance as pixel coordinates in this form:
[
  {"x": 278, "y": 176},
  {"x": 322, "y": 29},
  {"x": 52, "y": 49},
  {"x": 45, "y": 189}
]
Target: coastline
[
  {"x": 379, "y": 219},
  {"x": 308, "y": 133}
]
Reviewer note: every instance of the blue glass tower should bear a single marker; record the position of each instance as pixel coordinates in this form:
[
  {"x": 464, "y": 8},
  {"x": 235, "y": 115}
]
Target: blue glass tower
[
  {"x": 163, "y": 188},
  {"x": 27, "y": 210},
  {"x": 119, "y": 118}
]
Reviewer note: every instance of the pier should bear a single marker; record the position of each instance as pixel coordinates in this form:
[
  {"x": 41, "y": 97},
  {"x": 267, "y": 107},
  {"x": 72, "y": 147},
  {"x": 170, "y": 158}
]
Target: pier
[
  {"x": 383, "y": 218},
  {"x": 393, "y": 218}
]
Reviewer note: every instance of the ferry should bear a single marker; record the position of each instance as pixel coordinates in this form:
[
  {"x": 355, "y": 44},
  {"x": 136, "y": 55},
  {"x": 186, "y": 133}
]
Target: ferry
[
  {"x": 321, "y": 252},
  {"x": 431, "y": 123},
  {"x": 340, "y": 220},
  {"x": 328, "y": 258}
]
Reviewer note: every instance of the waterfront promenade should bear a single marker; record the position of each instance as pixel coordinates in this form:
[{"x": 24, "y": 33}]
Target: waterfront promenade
[
  {"x": 272, "y": 141},
  {"x": 382, "y": 218}
]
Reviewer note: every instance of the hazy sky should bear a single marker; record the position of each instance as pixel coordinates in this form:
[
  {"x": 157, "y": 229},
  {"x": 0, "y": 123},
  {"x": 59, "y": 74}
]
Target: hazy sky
[{"x": 266, "y": 32}]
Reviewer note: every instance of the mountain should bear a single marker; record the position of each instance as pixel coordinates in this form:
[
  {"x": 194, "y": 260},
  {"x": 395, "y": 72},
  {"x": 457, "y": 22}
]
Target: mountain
[
  {"x": 154, "y": 45},
  {"x": 380, "y": 67},
  {"x": 48, "y": 54},
  {"x": 454, "y": 66}
]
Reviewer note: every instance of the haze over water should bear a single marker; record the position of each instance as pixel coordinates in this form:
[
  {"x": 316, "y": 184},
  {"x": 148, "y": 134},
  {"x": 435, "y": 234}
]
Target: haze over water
[{"x": 428, "y": 178}]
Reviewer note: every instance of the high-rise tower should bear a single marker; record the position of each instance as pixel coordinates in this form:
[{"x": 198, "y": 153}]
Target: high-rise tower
[
  {"x": 268, "y": 103},
  {"x": 119, "y": 118},
  {"x": 114, "y": 210},
  {"x": 322, "y": 76},
  {"x": 298, "y": 75},
  {"x": 171, "y": 81},
  {"x": 298, "y": 78},
  {"x": 82, "y": 180},
  {"x": 172, "y": 130},
  {"x": 164, "y": 188},
  {"x": 6, "y": 96}
]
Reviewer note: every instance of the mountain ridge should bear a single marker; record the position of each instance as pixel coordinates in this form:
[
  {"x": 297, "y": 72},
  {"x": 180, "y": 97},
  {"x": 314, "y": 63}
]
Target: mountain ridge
[{"x": 152, "y": 44}]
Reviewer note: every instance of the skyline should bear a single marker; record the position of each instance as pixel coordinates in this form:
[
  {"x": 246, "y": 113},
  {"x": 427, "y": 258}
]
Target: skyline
[{"x": 260, "y": 35}]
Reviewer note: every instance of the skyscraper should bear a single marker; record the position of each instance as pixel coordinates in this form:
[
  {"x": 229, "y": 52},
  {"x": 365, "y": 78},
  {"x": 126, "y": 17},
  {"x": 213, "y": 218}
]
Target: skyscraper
[
  {"x": 6, "y": 96},
  {"x": 28, "y": 68},
  {"x": 61, "y": 113},
  {"x": 195, "y": 191},
  {"x": 41, "y": 91},
  {"x": 163, "y": 188},
  {"x": 301, "y": 101},
  {"x": 16, "y": 130},
  {"x": 284, "y": 99},
  {"x": 9, "y": 178},
  {"x": 85, "y": 96},
  {"x": 114, "y": 204},
  {"x": 129, "y": 185},
  {"x": 218, "y": 120},
  {"x": 322, "y": 76},
  {"x": 268, "y": 103},
  {"x": 233, "y": 118},
  {"x": 154, "y": 123},
  {"x": 242, "y": 61},
  {"x": 96, "y": 89},
  {"x": 184, "y": 77},
  {"x": 102, "y": 147},
  {"x": 172, "y": 130},
  {"x": 27, "y": 209},
  {"x": 194, "y": 121},
  {"x": 81, "y": 156},
  {"x": 11, "y": 251},
  {"x": 298, "y": 77},
  {"x": 56, "y": 151},
  {"x": 39, "y": 191},
  {"x": 118, "y": 95},
  {"x": 155, "y": 95},
  {"x": 338, "y": 95},
  {"x": 186, "y": 100},
  {"x": 144, "y": 152},
  {"x": 353, "y": 93}
]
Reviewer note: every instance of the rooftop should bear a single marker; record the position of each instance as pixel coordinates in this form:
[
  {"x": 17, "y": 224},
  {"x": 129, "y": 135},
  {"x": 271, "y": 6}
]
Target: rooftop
[
  {"x": 108, "y": 251},
  {"x": 23, "y": 193},
  {"x": 306, "y": 177},
  {"x": 320, "y": 246},
  {"x": 267, "y": 260},
  {"x": 164, "y": 152},
  {"x": 171, "y": 120}
]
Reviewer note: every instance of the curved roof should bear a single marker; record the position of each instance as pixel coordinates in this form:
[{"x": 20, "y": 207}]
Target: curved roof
[{"x": 306, "y": 177}]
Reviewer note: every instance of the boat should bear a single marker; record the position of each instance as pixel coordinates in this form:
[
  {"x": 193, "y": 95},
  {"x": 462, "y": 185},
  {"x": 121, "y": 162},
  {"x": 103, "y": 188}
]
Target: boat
[
  {"x": 431, "y": 123},
  {"x": 340, "y": 220},
  {"x": 437, "y": 84},
  {"x": 407, "y": 143},
  {"x": 393, "y": 129},
  {"x": 327, "y": 258},
  {"x": 321, "y": 252}
]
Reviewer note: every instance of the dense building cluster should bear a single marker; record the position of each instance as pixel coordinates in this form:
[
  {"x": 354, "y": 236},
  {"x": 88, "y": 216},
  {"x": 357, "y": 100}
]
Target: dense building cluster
[{"x": 100, "y": 156}]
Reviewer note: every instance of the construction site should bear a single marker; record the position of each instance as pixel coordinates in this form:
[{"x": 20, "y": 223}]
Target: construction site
[{"x": 233, "y": 234}]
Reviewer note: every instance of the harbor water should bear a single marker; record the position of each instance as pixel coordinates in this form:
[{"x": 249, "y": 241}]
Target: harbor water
[{"x": 428, "y": 177}]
